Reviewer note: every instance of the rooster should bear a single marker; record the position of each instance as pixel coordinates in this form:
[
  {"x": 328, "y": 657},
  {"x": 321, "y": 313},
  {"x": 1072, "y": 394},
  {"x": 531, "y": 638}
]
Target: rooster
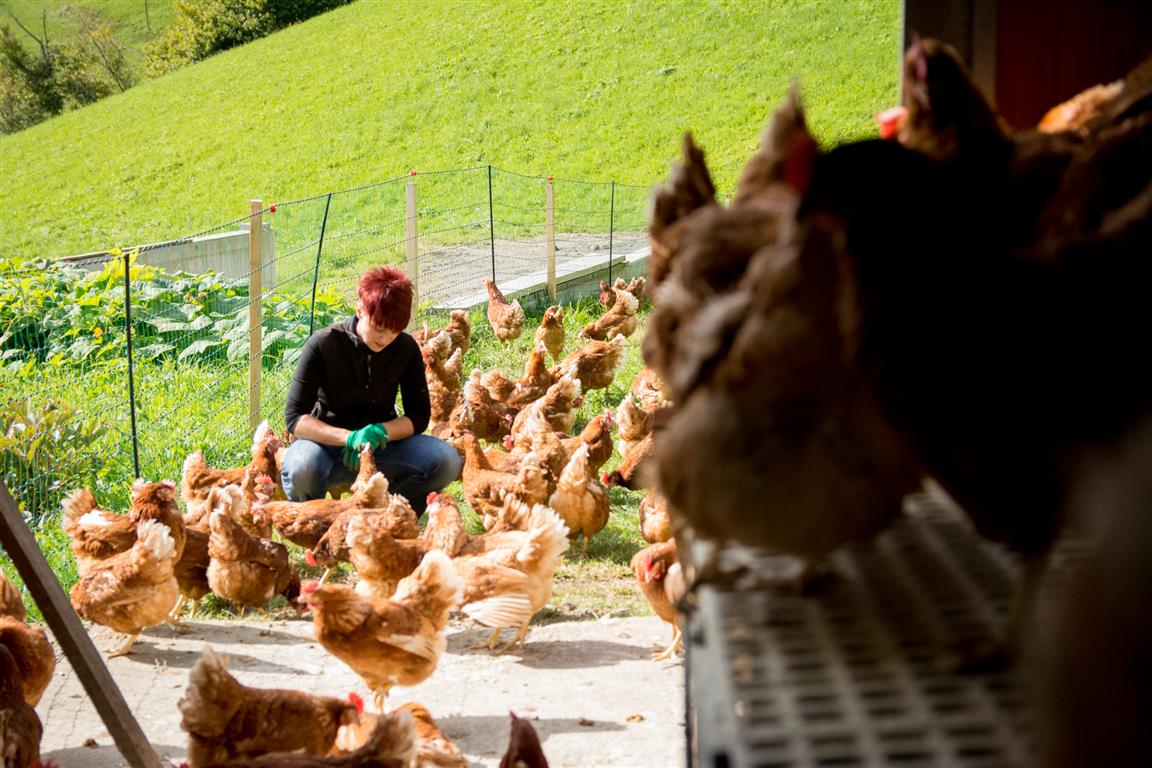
[
  {"x": 397, "y": 642},
  {"x": 506, "y": 319},
  {"x": 226, "y": 720}
]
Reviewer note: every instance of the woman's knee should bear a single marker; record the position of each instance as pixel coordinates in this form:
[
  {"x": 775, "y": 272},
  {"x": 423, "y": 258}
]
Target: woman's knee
[{"x": 304, "y": 472}]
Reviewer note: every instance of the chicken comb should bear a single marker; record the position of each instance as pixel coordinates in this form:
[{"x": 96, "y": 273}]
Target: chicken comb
[
  {"x": 605, "y": 479},
  {"x": 310, "y": 558},
  {"x": 264, "y": 479},
  {"x": 357, "y": 701},
  {"x": 309, "y": 587},
  {"x": 432, "y": 498},
  {"x": 507, "y": 441}
]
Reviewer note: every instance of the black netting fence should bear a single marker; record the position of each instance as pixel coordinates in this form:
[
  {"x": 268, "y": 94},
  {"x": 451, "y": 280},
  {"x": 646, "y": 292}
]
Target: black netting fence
[{"x": 119, "y": 364}]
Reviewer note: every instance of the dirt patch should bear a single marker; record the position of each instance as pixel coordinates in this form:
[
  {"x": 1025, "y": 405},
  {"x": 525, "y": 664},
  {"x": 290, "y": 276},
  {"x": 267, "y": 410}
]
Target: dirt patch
[{"x": 593, "y": 693}]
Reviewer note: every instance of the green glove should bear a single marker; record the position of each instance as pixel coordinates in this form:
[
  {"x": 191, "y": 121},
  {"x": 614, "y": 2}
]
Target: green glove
[{"x": 375, "y": 435}]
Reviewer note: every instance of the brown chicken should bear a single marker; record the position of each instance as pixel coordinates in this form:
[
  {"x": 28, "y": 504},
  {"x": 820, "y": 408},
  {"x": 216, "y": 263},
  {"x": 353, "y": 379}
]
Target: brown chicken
[
  {"x": 619, "y": 320},
  {"x": 1079, "y": 112},
  {"x": 33, "y": 655},
  {"x": 226, "y": 720},
  {"x": 380, "y": 559},
  {"x": 506, "y": 319},
  {"x": 637, "y": 469},
  {"x": 96, "y": 534},
  {"x": 458, "y": 329},
  {"x": 398, "y": 519},
  {"x": 304, "y": 523},
  {"x": 555, "y": 411},
  {"x": 655, "y": 517},
  {"x": 648, "y": 390},
  {"x": 246, "y": 569},
  {"x": 580, "y": 499},
  {"x": 506, "y": 585},
  {"x": 595, "y": 364},
  {"x": 397, "y": 642},
  {"x": 433, "y": 748},
  {"x": 754, "y": 391},
  {"x": 198, "y": 478},
  {"x": 635, "y": 424},
  {"x": 479, "y": 413},
  {"x": 531, "y": 386},
  {"x": 391, "y": 744},
  {"x": 597, "y": 435},
  {"x": 20, "y": 727},
  {"x": 192, "y": 568},
  {"x": 657, "y": 571},
  {"x": 134, "y": 589},
  {"x": 551, "y": 332},
  {"x": 485, "y": 488},
  {"x": 444, "y": 384},
  {"x": 11, "y": 603},
  {"x": 524, "y": 750}
]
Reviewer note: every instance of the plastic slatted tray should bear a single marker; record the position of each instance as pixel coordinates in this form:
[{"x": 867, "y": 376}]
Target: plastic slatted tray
[{"x": 861, "y": 674}]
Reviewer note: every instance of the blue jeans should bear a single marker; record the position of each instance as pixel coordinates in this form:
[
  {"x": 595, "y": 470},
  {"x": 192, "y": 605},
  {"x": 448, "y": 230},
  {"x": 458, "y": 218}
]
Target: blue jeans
[{"x": 415, "y": 467}]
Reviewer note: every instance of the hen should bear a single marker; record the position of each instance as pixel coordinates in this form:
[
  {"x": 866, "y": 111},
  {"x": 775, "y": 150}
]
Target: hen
[
  {"x": 391, "y": 744},
  {"x": 635, "y": 424},
  {"x": 595, "y": 364},
  {"x": 506, "y": 319},
  {"x": 597, "y": 436},
  {"x": 619, "y": 320},
  {"x": 134, "y": 589},
  {"x": 20, "y": 727},
  {"x": 479, "y": 413},
  {"x": 555, "y": 411},
  {"x": 304, "y": 523},
  {"x": 444, "y": 384},
  {"x": 636, "y": 471},
  {"x": 433, "y": 748},
  {"x": 655, "y": 517},
  {"x": 531, "y": 386},
  {"x": 198, "y": 478},
  {"x": 458, "y": 329},
  {"x": 381, "y": 560},
  {"x": 524, "y": 750},
  {"x": 551, "y": 332},
  {"x": 648, "y": 390},
  {"x": 397, "y": 642},
  {"x": 31, "y": 653},
  {"x": 507, "y": 584},
  {"x": 657, "y": 571},
  {"x": 398, "y": 519},
  {"x": 580, "y": 499},
  {"x": 226, "y": 720},
  {"x": 96, "y": 534},
  {"x": 485, "y": 488},
  {"x": 246, "y": 569}
]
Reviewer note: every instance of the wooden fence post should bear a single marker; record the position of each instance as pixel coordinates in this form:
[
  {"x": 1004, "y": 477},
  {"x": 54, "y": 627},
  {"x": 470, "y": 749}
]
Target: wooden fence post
[
  {"x": 255, "y": 310},
  {"x": 38, "y": 576},
  {"x": 413, "y": 257},
  {"x": 550, "y": 237}
]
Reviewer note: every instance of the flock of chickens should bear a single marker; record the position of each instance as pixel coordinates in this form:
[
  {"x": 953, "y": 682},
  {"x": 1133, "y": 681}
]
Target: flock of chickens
[
  {"x": 957, "y": 301},
  {"x": 535, "y": 488}
]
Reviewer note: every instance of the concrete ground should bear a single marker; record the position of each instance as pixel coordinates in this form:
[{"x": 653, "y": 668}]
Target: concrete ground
[{"x": 590, "y": 688}]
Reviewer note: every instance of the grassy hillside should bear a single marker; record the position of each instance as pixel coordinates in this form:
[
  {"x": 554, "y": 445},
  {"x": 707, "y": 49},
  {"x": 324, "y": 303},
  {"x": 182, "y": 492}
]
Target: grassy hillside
[
  {"x": 137, "y": 21},
  {"x": 585, "y": 90}
]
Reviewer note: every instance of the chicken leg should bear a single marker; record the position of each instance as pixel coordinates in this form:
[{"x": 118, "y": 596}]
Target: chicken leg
[
  {"x": 672, "y": 649},
  {"x": 490, "y": 643},
  {"x": 125, "y": 649}
]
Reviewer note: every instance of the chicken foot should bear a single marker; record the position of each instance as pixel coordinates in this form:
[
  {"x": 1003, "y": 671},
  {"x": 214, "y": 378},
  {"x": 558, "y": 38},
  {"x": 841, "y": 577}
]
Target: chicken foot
[
  {"x": 126, "y": 648},
  {"x": 490, "y": 643},
  {"x": 672, "y": 649}
]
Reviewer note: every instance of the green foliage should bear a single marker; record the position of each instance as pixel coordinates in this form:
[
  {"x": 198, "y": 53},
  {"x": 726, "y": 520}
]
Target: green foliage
[
  {"x": 582, "y": 90},
  {"x": 49, "y": 76},
  {"x": 205, "y": 27},
  {"x": 56, "y": 314},
  {"x": 43, "y": 452}
]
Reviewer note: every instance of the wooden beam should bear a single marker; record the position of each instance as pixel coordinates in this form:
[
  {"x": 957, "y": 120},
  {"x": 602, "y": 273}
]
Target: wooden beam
[{"x": 21, "y": 546}]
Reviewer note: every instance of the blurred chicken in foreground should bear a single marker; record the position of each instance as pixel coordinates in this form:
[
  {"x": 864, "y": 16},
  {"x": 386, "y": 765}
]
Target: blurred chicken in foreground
[{"x": 524, "y": 750}]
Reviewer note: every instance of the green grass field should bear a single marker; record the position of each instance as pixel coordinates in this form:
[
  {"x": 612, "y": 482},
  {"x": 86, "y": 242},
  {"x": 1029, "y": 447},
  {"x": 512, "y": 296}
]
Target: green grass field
[
  {"x": 596, "y": 90},
  {"x": 137, "y": 22}
]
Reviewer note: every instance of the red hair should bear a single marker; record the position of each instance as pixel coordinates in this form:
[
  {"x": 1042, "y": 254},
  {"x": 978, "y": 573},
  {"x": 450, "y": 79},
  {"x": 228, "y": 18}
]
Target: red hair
[{"x": 386, "y": 297}]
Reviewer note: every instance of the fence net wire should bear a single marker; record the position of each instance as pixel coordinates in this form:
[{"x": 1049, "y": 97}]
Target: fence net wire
[{"x": 75, "y": 413}]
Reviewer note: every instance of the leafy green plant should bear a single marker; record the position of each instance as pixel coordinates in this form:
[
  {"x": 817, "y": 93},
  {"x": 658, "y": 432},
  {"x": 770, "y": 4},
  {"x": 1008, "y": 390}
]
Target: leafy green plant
[{"x": 44, "y": 453}]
